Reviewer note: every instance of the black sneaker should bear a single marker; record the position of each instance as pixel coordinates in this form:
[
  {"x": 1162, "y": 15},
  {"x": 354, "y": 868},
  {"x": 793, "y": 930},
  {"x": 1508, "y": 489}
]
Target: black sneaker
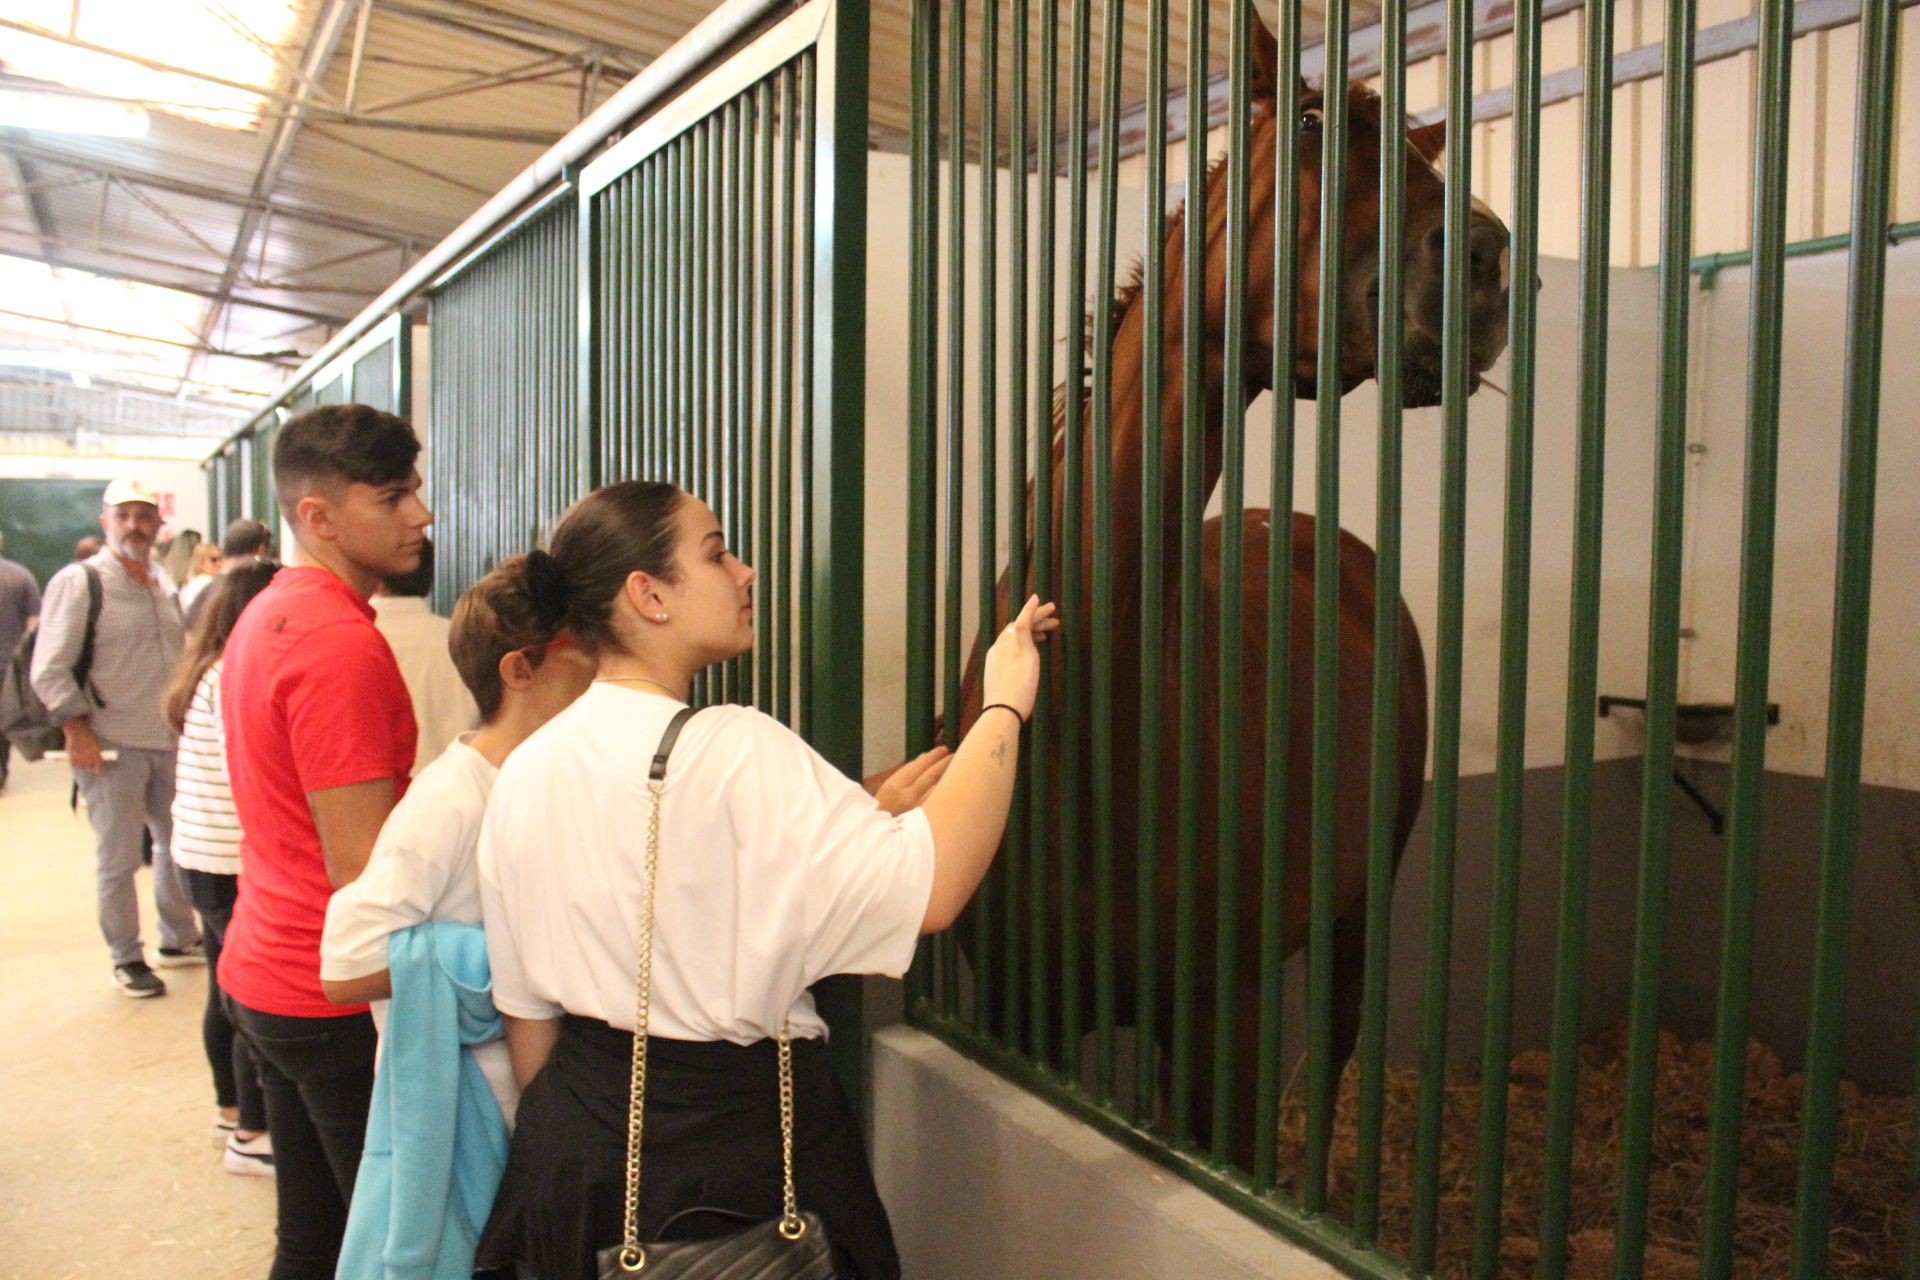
[
  {"x": 181, "y": 957},
  {"x": 138, "y": 982}
]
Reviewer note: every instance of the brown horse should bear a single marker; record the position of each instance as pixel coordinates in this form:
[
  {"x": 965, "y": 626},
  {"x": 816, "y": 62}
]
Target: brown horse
[{"x": 1141, "y": 588}]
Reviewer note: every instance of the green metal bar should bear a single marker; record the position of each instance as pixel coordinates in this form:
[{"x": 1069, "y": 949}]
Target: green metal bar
[
  {"x": 1846, "y": 697},
  {"x": 1233, "y": 501},
  {"x": 1100, "y": 623},
  {"x": 841, "y": 122},
  {"x": 956, "y": 425},
  {"x": 1446, "y": 734},
  {"x": 709, "y": 423},
  {"x": 1770, "y": 160},
  {"x": 586, "y": 342},
  {"x": 739, "y": 431},
  {"x": 680, "y": 423},
  {"x": 1326, "y": 612},
  {"x": 1186, "y": 906},
  {"x": 1042, "y": 838},
  {"x": 783, "y": 354},
  {"x": 809, "y": 498},
  {"x": 1153, "y": 506},
  {"x": 983, "y": 898},
  {"x": 767, "y": 607},
  {"x": 1515, "y": 604},
  {"x": 1073, "y": 547},
  {"x": 1663, "y": 644},
  {"x": 1583, "y": 659},
  {"x": 1015, "y": 856},
  {"x": 1384, "y": 786},
  {"x": 1279, "y": 655},
  {"x": 922, "y": 412}
]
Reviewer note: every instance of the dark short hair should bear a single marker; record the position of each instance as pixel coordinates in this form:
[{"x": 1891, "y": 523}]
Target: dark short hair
[
  {"x": 352, "y": 442},
  {"x": 246, "y": 537},
  {"x": 614, "y": 531},
  {"x": 417, "y": 581}
]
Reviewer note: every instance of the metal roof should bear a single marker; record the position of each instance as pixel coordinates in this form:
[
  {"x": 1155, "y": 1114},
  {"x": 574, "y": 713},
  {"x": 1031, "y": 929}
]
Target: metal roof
[{"x": 383, "y": 125}]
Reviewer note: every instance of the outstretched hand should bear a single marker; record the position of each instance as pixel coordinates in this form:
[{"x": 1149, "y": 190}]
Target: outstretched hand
[{"x": 904, "y": 788}]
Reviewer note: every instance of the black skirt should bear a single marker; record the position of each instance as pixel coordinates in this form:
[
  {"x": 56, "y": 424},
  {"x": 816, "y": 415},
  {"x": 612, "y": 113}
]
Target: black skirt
[{"x": 712, "y": 1140}]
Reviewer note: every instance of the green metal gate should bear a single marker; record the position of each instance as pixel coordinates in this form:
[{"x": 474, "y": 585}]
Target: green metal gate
[
  {"x": 505, "y": 450},
  {"x": 1041, "y": 974},
  {"x": 723, "y": 286}
]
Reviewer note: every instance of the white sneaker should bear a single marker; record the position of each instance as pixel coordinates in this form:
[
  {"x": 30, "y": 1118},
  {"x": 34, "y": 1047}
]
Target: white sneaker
[
  {"x": 250, "y": 1159},
  {"x": 222, "y": 1128}
]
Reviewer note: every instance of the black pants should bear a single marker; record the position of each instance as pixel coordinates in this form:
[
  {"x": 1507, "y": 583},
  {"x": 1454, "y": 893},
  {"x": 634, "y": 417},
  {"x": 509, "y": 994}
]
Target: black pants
[
  {"x": 318, "y": 1077},
  {"x": 236, "y": 1074}
]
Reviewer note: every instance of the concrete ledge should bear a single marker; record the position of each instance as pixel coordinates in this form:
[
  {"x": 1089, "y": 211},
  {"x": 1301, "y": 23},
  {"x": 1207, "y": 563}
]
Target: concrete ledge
[{"x": 987, "y": 1182}]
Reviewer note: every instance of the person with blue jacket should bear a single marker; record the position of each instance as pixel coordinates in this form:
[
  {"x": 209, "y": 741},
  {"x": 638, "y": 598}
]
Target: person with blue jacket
[{"x": 407, "y": 931}]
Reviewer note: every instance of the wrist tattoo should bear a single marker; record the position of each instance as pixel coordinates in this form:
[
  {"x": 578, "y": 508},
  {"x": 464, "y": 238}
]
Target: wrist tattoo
[{"x": 1000, "y": 753}]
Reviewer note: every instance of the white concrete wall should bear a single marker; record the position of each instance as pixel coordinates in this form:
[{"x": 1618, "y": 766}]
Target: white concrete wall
[{"x": 982, "y": 1179}]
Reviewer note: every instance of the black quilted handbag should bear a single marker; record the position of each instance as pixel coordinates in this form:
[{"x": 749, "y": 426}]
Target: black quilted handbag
[{"x": 791, "y": 1247}]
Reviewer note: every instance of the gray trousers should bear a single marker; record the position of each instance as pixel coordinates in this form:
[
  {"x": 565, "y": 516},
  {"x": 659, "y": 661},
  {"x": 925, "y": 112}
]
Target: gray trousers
[{"x": 135, "y": 791}]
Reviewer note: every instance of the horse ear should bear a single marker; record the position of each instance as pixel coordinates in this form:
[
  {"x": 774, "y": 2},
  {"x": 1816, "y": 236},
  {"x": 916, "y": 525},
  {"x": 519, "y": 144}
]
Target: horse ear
[
  {"x": 1429, "y": 139},
  {"x": 1266, "y": 55}
]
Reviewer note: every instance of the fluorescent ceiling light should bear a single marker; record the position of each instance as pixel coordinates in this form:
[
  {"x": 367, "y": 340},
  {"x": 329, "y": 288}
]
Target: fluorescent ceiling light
[
  {"x": 243, "y": 41},
  {"x": 57, "y": 112}
]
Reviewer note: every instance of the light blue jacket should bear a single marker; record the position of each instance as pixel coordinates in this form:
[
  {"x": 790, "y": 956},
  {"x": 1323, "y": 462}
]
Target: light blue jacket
[{"x": 436, "y": 1143}]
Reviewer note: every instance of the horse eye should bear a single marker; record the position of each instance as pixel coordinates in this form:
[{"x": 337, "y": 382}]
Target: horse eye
[{"x": 1310, "y": 119}]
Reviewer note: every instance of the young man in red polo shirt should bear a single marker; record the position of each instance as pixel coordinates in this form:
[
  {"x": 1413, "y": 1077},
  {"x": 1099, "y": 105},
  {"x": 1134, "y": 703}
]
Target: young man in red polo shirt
[{"x": 320, "y": 741}]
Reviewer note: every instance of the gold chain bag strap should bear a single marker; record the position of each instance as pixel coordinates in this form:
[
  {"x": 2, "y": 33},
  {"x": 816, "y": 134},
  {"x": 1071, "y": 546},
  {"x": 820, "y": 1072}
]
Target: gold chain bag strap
[{"x": 791, "y": 1247}]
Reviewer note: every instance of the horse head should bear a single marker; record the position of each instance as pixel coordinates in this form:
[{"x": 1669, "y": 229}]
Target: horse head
[{"x": 1424, "y": 246}]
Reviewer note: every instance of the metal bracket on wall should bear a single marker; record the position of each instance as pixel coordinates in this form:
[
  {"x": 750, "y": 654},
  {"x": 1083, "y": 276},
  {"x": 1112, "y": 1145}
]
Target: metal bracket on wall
[{"x": 1695, "y": 722}]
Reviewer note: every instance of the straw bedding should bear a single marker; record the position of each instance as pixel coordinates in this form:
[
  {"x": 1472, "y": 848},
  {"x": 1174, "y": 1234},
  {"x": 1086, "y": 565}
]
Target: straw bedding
[{"x": 1868, "y": 1205}]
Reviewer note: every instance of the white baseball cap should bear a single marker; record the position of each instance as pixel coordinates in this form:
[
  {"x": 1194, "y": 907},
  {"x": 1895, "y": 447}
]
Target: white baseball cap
[{"x": 127, "y": 489}]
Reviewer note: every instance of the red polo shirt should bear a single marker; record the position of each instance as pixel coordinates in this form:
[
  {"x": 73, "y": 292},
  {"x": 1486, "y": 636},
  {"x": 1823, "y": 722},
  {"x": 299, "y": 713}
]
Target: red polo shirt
[{"x": 312, "y": 699}]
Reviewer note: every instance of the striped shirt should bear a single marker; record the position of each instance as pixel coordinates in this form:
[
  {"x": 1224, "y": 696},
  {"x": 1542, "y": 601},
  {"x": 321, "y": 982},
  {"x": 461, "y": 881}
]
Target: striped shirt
[{"x": 206, "y": 834}]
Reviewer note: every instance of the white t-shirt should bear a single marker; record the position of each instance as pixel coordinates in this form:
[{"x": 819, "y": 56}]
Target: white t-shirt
[
  {"x": 206, "y": 832},
  {"x": 775, "y": 870},
  {"x": 422, "y": 868},
  {"x": 443, "y": 709}
]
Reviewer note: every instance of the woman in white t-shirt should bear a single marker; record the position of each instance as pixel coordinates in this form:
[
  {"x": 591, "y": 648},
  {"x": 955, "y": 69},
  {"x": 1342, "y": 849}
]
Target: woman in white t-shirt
[{"x": 775, "y": 870}]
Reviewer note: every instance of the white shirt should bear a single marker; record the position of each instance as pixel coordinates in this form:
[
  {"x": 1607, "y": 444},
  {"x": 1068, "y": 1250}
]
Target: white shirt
[
  {"x": 192, "y": 589},
  {"x": 775, "y": 870},
  {"x": 442, "y": 707},
  {"x": 206, "y": 832},
  {"x": 421, "y": 868}
]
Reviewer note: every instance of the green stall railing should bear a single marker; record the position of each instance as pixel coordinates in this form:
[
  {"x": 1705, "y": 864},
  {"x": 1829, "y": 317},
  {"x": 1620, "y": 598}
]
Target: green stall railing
[
  {"x": 723, "y": 282},
  {"x": 1033, "y": 983},
  {"x": 505, "y": 446}
]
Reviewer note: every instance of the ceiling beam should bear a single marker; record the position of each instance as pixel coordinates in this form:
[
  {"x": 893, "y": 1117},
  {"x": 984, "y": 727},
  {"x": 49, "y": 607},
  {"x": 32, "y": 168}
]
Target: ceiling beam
[
  {"x": 64, "y": 262},
  {"x": 21, "y": 149},
  {"x": 526, "y": 25},
  {"x": 328, "y": 29}
]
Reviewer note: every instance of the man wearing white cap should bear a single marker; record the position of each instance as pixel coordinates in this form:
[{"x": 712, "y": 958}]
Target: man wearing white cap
[{"x": 117, "y": 736}]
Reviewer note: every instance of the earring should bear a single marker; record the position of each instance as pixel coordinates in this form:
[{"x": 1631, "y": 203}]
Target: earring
[{"x": 662, "y": 617}]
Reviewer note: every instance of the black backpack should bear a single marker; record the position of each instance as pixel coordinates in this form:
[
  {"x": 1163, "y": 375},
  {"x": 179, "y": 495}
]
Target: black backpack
[{"x": 23, "y": 717}]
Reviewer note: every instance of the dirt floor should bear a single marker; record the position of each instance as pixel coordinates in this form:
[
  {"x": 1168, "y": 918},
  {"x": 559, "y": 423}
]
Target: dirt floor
[{"x": 107, "y": 1166}]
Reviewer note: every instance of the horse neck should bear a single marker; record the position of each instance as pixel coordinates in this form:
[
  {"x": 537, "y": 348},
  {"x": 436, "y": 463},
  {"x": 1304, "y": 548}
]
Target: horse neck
[{"x": 1127, "y": 444}]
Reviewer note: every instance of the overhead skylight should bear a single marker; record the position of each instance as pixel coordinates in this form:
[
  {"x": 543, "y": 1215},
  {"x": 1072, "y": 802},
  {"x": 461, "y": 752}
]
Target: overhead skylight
[
  {"x": 239, "y": 42},
  {"x": 74, "y": 322}
]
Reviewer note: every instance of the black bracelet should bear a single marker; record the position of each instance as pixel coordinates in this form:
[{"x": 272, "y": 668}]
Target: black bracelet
[{"x": 1005, "y": 707}]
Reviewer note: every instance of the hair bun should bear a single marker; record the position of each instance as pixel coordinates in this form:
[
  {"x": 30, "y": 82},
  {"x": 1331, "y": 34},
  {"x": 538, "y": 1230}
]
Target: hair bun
[{"x": 547, "y": 588}]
